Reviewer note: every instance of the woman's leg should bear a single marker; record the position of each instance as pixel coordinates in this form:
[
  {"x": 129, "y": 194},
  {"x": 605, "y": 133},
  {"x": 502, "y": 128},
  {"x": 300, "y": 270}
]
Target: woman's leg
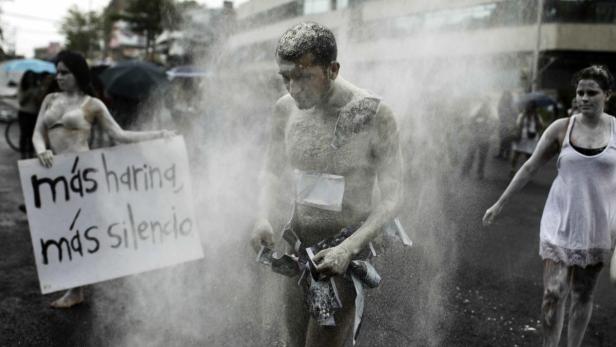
[
  {"x": 71, "y": 298},
  {"x": 556, "y": 286},
  {"x": 582, "y": 286}
]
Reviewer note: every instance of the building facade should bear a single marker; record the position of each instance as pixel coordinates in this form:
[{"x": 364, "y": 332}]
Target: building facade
[{"x": 562, "y": 38}]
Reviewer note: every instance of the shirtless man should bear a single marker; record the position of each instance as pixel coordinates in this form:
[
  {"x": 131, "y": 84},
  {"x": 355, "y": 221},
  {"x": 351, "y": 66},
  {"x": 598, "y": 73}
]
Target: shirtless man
[
  {"x": 64, "y": 123},
  {"x": 329, "y": 127}
]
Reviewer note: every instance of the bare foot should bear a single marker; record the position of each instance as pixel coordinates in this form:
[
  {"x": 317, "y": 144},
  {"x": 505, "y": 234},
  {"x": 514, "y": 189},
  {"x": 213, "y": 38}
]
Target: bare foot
[{"x": 71, "y": 298}]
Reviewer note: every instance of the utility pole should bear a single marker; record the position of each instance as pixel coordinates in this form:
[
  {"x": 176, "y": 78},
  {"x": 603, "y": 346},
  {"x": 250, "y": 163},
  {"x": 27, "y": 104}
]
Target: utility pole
[{"x": 535, "y": 69}]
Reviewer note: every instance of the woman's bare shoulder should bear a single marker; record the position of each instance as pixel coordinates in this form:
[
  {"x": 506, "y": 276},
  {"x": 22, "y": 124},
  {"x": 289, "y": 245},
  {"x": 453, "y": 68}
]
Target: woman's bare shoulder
[
  {"x": 559, "y": 124},
  {"x": 94, "y": 104},
  {"x": 51, "y": 97},
  {"x": 557, "y": 129}
]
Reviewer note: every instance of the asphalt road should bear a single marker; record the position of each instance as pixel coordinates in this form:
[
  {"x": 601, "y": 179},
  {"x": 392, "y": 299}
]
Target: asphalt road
[{"x": 460, "y": 285}]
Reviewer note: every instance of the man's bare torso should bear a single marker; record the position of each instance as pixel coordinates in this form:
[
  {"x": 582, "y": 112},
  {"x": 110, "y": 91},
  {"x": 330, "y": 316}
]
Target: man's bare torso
[{"x": 310, "y": 145}]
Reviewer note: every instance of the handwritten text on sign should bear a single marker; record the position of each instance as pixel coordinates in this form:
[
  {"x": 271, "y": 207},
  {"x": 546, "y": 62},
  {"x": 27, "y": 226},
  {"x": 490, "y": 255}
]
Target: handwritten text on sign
[{"x": 109, "y": 213}]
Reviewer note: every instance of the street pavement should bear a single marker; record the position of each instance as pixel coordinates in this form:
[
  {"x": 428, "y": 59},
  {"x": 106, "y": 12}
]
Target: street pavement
[{"x": 459, "y": 285}]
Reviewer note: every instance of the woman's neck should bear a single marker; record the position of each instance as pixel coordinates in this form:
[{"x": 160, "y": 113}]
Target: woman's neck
[
  {"x": 591, "y": 120},
  {"x": 73, "y": 94}
]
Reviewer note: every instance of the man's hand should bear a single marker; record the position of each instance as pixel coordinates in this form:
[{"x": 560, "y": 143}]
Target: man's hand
[
  {"x": 491, "y": 213},
  {"x": 46, "y": 158},
  {"x": 262, "y": 235},
  {"x": 333, "y": 261}
]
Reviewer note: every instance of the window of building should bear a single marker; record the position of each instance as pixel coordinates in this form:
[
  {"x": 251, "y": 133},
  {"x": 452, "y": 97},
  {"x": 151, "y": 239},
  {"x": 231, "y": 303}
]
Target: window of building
[
  {"x": 317, "y": 6},
  {"x": 342, "y": 4}
]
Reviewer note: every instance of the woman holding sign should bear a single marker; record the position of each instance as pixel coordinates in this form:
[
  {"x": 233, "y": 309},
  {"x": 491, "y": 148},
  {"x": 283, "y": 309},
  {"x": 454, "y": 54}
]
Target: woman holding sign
[{"x": 64, "y": 123}]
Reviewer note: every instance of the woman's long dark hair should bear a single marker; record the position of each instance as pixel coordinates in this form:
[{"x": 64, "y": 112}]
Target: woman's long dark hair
[
  {"x": 27, "y": 81},
  {"x": 78, "y": 66}
]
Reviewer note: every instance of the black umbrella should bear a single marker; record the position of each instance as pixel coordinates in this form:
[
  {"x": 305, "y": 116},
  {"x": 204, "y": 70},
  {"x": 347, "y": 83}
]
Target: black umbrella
[
  {"x": 133, "y": 79},
  {"x": 540, "y": 99}
]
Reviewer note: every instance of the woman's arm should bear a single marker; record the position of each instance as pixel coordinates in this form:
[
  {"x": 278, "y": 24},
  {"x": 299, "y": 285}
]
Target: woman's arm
[
  {"x": 548, "y": 146},
  {"x": 40, "y": 133},
  {"x": 111, "y": 127}
]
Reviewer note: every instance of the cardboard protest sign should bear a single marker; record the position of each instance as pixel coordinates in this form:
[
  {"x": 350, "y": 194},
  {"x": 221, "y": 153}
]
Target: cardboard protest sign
[{"x": 108, "y": 213}]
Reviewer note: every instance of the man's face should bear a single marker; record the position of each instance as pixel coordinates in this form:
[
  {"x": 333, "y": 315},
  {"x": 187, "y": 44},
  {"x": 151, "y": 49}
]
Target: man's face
[{"x": 306, "y": 82}]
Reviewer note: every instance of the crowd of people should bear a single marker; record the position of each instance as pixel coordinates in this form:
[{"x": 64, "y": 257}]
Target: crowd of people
[{"x": 341, "y": 140}]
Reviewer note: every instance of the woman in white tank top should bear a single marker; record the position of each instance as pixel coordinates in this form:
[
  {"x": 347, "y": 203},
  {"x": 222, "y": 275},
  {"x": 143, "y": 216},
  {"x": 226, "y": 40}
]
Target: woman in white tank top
[{"x": 580, "y": 213}]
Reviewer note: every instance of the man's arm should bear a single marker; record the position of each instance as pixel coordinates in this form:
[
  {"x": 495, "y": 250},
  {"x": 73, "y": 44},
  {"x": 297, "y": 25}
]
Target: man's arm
[
  {"x": 270, "y": 180},
  {"x": 388, "y": 159}
]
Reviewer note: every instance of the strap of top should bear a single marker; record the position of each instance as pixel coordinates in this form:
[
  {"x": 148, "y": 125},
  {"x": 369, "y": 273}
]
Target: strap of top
[
  {"x": 613, "y": 134},
  {"x": 568, "y": 133},
  {"x": 611, "y": 142}
]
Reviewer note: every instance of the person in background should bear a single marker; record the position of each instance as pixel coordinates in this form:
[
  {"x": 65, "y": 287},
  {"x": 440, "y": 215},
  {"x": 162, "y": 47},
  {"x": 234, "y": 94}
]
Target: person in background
[
  {"x": 529, "y": 126},
  {"x": 64, "y": 126},
  {"x": 578, "y": 218},
  {"x": 480, "y": 128},
  {"x": 28, "y": 95},
  {"x": 574, "y": 108},
  {"x": 506, "y": 124}
]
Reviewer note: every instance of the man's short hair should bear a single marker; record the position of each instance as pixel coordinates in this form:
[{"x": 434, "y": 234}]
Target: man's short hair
[{"x": 308, "y": 37}]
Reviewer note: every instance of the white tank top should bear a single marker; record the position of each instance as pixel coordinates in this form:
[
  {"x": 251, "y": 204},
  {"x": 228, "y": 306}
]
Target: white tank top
[{"x": 579, "y": 217}]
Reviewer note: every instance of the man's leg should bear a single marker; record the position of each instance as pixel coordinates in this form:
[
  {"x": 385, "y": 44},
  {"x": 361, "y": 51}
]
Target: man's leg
[
  {"x": 582, "y": 287},
  {"x": 318, "y": 336},
  {"x": 556, "y": 287},
  {"x": 295, "y": 313}
]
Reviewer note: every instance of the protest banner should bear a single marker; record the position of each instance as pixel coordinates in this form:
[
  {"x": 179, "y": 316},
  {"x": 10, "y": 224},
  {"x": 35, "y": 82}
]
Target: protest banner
[{"x": 108, "y": 213}]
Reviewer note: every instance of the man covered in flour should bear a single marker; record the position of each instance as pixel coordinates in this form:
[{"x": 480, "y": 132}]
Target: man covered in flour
[{"x": 338, "y": 140}]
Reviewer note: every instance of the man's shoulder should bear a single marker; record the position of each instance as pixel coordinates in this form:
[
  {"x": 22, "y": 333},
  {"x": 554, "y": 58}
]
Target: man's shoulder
[
  {"x": 284, "y": 104},
  {"x": 364, "y": 112},
  {"x": 352, "y": 89},
  {"x": 367, "y": 106}
]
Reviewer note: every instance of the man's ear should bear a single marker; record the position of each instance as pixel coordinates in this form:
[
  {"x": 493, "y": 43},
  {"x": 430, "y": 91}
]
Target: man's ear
[{"x": 333, "y": 69}]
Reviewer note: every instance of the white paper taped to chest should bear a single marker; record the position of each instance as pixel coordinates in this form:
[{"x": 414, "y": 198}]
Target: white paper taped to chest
[{"x": 324, "y": 191}]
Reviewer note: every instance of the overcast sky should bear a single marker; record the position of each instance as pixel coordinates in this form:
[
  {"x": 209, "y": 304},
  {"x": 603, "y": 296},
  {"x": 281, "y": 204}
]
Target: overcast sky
[{"x": 35, "y": 23}]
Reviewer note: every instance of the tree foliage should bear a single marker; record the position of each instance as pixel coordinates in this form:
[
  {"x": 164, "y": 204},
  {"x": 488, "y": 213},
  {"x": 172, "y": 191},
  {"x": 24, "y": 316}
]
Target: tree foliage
[
  {"x": 82, "y": 30},
  {"x": 150, "y": 17}
]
